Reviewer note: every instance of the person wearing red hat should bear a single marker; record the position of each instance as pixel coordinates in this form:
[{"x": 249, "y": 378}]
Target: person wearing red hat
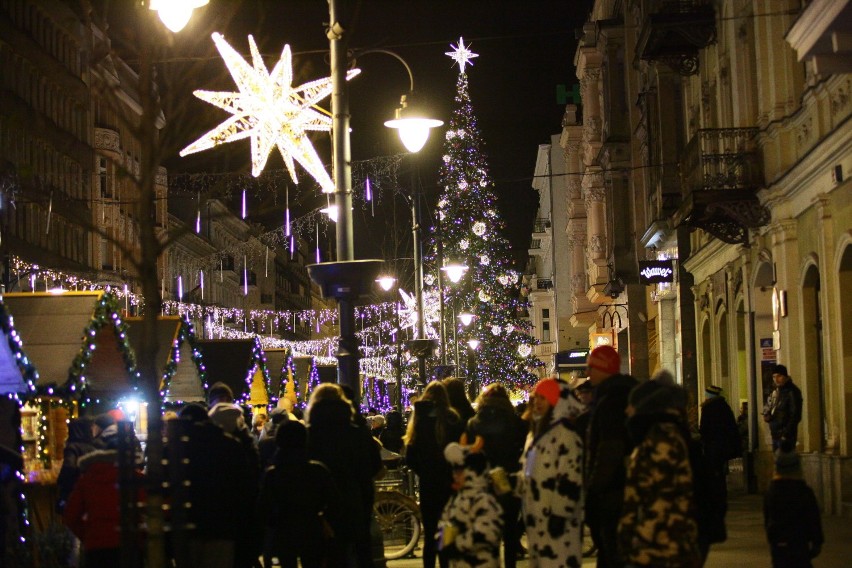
[
  {"x": 550, "y": 481},
  {"x": 607, "y": 445}
]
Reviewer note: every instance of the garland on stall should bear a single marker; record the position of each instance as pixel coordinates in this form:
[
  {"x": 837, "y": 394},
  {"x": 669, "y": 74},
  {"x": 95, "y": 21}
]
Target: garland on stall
[
  {"x": 313, "y": 381},
  {"x": 29, "y": 375},
  {"x": 186, "y": 333},
  {"x": 258, "y": 360},
  {"x": 106, "y": 313},
  {"x": 292, "y": 380}
]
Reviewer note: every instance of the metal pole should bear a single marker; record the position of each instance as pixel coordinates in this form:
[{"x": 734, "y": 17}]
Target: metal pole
[
  {"x": 347, "y": 358},
  {"x": 418, "y": 273},
  {"x": 443, "y": 329}
]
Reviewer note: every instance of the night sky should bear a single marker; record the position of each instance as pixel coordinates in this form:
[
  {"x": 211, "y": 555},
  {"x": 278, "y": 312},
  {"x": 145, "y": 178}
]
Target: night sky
[{"x": 526, "y": 50}]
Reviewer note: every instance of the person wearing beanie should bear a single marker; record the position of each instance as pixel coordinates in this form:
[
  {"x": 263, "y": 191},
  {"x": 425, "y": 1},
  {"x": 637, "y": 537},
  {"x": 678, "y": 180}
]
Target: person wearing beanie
[
  {"x": 783, "y": 410},
  {"x": 658, "y": 526},
  {"x": 219, "y": 392},
  {"x": 791, "y": 515},
  {"x": 607, "y": 447},
  {"x": 471, "y": 524},
  {"x": 550, "y": 481},
  {"x": 297, "y": 523}
]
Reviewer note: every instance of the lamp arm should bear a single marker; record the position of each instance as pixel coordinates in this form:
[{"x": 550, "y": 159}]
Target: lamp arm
[{"x": 354, "y": 56}]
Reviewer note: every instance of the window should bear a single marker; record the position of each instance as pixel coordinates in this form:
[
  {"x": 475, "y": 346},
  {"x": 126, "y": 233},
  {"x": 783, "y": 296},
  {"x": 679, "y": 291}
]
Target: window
[{"x": 545, "y": 325}]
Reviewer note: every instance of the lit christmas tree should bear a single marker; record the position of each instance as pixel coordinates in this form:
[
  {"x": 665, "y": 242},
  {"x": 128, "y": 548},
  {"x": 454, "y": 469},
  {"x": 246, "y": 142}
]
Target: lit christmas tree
[{"x": 468, "y": 231}]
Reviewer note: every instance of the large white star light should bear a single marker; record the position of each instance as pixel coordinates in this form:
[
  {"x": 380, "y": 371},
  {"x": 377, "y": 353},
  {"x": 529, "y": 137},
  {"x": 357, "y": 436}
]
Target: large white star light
[
  {"x": 461, "y": 54},
  {"x": 269, "y": 111}
]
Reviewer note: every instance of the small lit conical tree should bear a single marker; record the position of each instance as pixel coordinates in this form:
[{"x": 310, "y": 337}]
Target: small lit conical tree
[{"x": 469, "y": 231}]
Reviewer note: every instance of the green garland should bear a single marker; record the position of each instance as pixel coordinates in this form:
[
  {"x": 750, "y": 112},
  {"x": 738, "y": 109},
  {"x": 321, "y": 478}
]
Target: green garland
[{"x": 186, "y": 333}]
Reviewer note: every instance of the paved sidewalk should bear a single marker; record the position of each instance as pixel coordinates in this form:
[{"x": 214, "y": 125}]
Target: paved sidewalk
[{"x": 746, "y": 545}]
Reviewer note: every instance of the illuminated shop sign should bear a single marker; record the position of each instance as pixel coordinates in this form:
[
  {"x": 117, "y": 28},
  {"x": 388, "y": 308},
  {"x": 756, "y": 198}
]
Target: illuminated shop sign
[{"x": 655, "y": 271}]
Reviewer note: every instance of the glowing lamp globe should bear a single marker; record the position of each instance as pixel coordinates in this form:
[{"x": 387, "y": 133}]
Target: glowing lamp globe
[
  {"x": 473, "y": 344},
  {"x": 175, "y": 14},
  {"x": 455, "y": 271},
  {"x": 466, "y": 318},
  {"x": 386, "y": 282},
  {"x": 412, "y": 125}
]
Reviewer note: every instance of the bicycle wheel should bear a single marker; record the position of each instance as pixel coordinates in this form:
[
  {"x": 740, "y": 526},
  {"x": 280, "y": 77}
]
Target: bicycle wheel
[{"x": 399, "y": 520}]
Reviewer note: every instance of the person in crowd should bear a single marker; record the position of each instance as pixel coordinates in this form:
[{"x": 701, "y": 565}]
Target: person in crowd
[
  {"x": 742, "y": 426},
  {"x": 93, "y": 510},
  {"x": 432, "y": 426},
  {"x": 471, "y": 523},
  {"x": 791, "y": 515},
  {"x": 298, "y": 499},
  {"x": 229, "y": 417},
  {"x": 391, "y": 436},
  {"x": 607, "y": 447},
  {"x": 503, "y": 433},
  {"x": 99, "y": 425},
  {"x": 584, "y": 392},
  {"x": 353, "y": 458},
  {"x": 267, "y": 447},
  {"x": 219, "y": 392},
  {"x": 257, "y": 422},
  {"x": 783, "y": 410},
  {"x": 377, "y": 425},
  {"x": 658, "y": 525},
  {"x": 551, "y": 478},
  {"x": 79, "y": 443},
  {"x": 458, "y": 399},
  {"x": 219, "y": 475},
  {"x": 720, "y": 441}
]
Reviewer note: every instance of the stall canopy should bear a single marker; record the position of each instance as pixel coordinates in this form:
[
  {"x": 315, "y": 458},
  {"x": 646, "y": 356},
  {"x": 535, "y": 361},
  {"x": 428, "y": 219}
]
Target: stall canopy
[
  {"x": 18, "y": 377},
  {"x": 279, "y": 370},
  {"x": 77, "y": 341},
  {"x": 183, "y": 374},
  {"x": 239, "y": 364}
]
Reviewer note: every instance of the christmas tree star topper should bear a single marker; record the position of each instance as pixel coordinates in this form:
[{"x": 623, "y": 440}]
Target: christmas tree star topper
[
  {"x": 269, "y": 111},
  {"x": 461, "y": 54}
]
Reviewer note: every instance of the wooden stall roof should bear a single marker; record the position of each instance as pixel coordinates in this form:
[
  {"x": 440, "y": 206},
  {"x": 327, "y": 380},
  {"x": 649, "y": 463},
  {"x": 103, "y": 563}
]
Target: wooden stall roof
[
  {"x": 230, "y": 361},
  {"x": 276, "y": 359},
  {"x": 182, "y": 376},
  {"x": 17, "y": 374},
  {"x": 54, "y": 328}
]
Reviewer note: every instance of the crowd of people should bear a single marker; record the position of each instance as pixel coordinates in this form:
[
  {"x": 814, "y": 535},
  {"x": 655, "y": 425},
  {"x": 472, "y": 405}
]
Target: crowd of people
[{"x": 612, "y": 454}]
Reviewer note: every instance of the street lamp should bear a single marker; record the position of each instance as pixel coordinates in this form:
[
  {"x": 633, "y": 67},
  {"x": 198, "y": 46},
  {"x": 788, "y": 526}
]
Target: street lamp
[
  {"x": 175, "y": 14},
  {"x": 454, "y": 271},
  {"x": 386, "y": 282}
]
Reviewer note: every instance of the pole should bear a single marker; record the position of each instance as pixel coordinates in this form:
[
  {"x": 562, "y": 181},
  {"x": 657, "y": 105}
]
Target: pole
[
  {"x": 443, "y": 330},
  {"x": 347, "y": 357},
  {"x": 418, "y": 272}
]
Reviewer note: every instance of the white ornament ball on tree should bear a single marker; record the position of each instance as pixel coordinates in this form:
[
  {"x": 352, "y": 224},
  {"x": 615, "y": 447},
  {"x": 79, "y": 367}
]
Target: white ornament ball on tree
[{"x": 479, "y": 228}]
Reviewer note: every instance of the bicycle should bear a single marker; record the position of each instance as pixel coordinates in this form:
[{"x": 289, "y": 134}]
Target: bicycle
[{"x": 397, "y": 512}]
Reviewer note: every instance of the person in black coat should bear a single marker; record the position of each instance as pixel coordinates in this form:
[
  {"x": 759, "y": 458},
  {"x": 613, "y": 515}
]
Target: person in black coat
[
  {"x": 298, "y": 497},
  {"x": 353, "y": 456},
  {"x": 458, "y": 399},
  {"x": 80, "y": 442},
  {"x": 791, "y": 515},
  {"x": 432, "y": 426},
  {"x": 504, "y": 434},
  {"x": 391, "y": 436}
]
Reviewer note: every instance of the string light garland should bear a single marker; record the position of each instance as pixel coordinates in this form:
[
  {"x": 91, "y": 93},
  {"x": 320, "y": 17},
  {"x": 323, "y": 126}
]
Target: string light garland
[{"x": 186, "y": 334}]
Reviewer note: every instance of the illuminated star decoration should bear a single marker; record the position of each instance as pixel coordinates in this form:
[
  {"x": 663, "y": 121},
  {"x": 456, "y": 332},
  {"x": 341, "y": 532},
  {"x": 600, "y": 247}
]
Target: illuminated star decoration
[
  {"x": 269, "y": 111},
  {"x": 461, "y": 54}
]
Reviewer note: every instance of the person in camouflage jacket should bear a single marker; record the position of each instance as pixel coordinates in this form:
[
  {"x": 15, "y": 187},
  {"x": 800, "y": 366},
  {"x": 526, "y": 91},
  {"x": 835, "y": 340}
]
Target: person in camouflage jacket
[{"x": 658, "y": 526}]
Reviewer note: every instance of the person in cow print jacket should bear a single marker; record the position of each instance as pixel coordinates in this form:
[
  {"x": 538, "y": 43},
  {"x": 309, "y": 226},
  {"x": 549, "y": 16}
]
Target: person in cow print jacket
[
  {"x": 551, "y": 480},
  {"x": 471, "y": 525}
]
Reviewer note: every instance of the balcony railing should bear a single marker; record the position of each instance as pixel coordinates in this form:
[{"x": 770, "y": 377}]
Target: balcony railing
[
  {"x": 535, "y": 244},
  {"x": 541, "y": 225},
  {"x": 673, "y": 31},
  {"x": 544, "y": 283},
  {"x": 721, "y": 172}
]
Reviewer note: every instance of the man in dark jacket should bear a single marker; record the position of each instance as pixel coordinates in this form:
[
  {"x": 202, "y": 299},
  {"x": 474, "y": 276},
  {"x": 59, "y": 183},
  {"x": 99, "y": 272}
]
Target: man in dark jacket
[
  {"x": 607, "y": 446},
  {"x": 783, "y": 411}
]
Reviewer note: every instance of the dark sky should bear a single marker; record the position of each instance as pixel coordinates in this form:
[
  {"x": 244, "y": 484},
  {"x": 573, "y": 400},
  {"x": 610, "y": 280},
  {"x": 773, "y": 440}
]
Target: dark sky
[{"x": 525, "y": 49}]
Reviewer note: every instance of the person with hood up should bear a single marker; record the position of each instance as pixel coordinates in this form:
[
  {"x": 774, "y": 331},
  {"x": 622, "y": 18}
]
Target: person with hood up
[
  {"x": 79, "y": 443},
  {"x": 607, "y": 447},
  {"x": 93, "y": 510},
  {"x": 297, "y": 521},
  {"x": 432, "y": 426},
  {"x": 658, "y": 525},
  {"x": 267, "y": 447},
  {"x": 550, "y": 483},
  {"x": 471, "y": 524},
  {"x": 504, "y": 434},
  {"x": 391, "y": 436}
]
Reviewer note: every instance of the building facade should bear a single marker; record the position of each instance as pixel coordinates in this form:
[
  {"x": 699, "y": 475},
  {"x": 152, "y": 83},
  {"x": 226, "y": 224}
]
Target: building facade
[{"x": 716, "y": 136}]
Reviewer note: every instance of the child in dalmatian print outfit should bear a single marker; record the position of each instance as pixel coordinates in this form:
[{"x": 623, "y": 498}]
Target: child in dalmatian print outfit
[{"x": 471, "y": 525}]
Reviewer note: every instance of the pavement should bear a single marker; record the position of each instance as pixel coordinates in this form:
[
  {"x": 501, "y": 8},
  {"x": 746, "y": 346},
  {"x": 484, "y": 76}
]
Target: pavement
[{"x": 746, "y": 545}]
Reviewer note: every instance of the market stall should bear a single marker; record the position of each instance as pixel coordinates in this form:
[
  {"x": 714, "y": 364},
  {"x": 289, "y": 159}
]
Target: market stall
[
  {"x": 78, "y": 343},
  {"x": 282, "y": 374},
  {"x": 240, "y": 364},
  {"x": 183, "y": 374}
]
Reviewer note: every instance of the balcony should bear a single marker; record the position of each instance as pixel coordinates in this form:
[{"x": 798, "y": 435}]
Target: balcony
[
  {"x": 541, "y": 226},
  {"x": 673, "y": 31},
  {"x": 721, "y": 172},
  {"x": 543, "y": 283}
]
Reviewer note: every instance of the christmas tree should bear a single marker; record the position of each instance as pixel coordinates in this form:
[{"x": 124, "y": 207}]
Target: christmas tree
[{"x": 468, "y": 231}]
